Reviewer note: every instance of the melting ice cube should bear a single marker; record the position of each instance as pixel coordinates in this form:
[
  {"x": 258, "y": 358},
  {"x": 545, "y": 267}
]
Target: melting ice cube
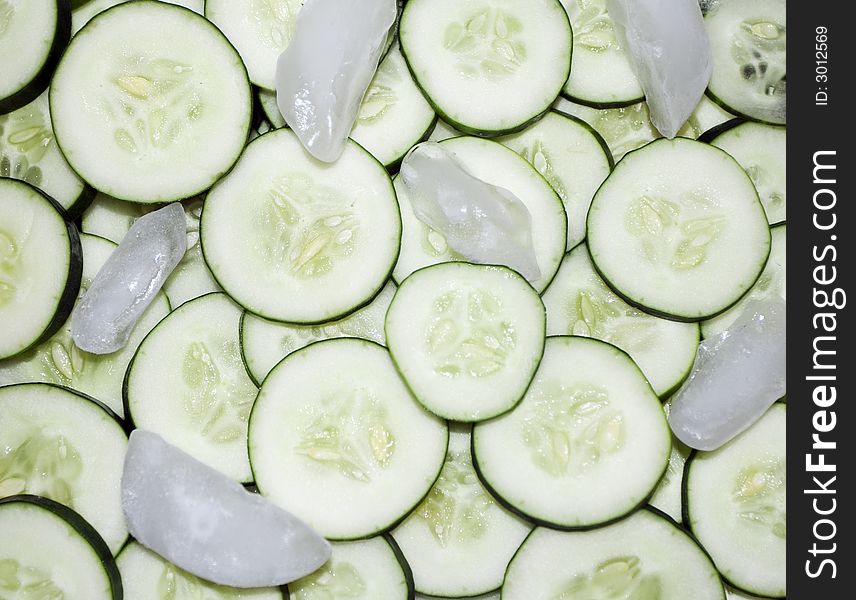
[
  {"x": 670, "y": 50},
  {"x": 484, "y": 223},
  {"x": 324, "y": 73},
  {"x": 736, "y": 377},
  {"x": 103, "y": 319},
  {"x": 209, "y": 525}
]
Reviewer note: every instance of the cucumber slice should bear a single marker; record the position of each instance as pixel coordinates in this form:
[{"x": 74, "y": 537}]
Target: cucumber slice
[
  {"x": 81, "y": 15},
  {"x": 587, "y": 445},
  {"x": 35, "y": 33},
  {"x": 28, "y": 152},
  {"x": 365, "y": 570},
  {"x": 491, "y": 596},
  {"x": 421, "y": 246},
  {"x": 58, "y": 360},
  {"x": 668, "y": 494},
  {"x": 735, "y": 505},
  {"x": 111, "y": 218},
  {"x": 49, "y": 551},
  {"x": 40, "y": 267},
  {"x": 772, "y": 282},
  {"x": 267, "y": 101},
  {"x": 760, "y": 149},
  {"x": 628, "y": 128},
  {"x": 579, "y": 303},
  {"x": 487, "y": 67},
  {"x": 466, "y": 338},
  {"x": 394, "y": 115},
  {"x": 264, "y": 343},
  {"x": 601, "y": 72},
  {"x": 66, "y": 447},
  {"x": 283, "y": 225},
  {"x": 748, "y": 43},
  {"x": 645, "y": 556},
  {"x": 443, "y": 131},
  {"x": 459, "y": 540},
  {"x": 141, "y": 88},
  {"x": 146, "y": 575},
  {"x": 572, "y": 157},
  {"x": 678, "y": 230},
  {"x": 259, "y": 29},
  {"x": 187, "y": 383},
  {"x": 336, "y": 438}
]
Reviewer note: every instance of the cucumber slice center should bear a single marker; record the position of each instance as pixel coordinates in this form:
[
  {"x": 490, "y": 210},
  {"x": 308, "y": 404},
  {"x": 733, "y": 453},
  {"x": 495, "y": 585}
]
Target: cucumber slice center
[
  {"x": 569, "y": 429},
  {"x": 381, "y": 95},
  {"x": 759, "y": 495},
  {"x": 7, "y": 11},
  {"x": 218, "y": 407},
  {"x": 537, "y": 156},
  {"x": 307, "y": 226},
  {"x": 11, "y": 273},
  {"x": 28, "y": 136},
  {"x": 274, "y": 21},
  {"x": 486, "y": 43},
  {"x": 338, "y": 580},
  {"x": 468, "y": 334},
  {"x": 599, "y": 316},
  {"x": 26, "y": 582},
  {"x": 676, "y": 232},
  {"x": 593, "y": 29},
  {"x": 614, "y": 579},
  {"x": 152, "y": 103},
  {"x": 43, "y": 464},
  {"x": 758, "y": 50},
  {"x": 456, "y": 509},
  {"x": 351, "y": 434}
]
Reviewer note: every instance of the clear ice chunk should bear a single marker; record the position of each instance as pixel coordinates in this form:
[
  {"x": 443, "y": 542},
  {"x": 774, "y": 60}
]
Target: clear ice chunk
[
  {"x": 482, "y": 222},
  {"x": 209, "y": 525},
  {"x": 736, "y": 377},
  {"x": 670, "y": 52},
  {"x": 324, "y": 73},
  {"x": 104, "y": 317}
]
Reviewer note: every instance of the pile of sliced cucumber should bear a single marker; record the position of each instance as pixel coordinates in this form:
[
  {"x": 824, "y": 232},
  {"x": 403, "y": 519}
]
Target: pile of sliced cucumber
[{"x": 452, "y": 428}]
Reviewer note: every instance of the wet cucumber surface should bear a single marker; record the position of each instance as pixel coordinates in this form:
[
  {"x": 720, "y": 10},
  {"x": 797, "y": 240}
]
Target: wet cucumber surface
[{"x": 454, "y": 434}]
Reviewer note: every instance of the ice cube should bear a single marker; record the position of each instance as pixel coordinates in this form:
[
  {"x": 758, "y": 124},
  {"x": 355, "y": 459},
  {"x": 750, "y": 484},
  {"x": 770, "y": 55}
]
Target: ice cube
[
  {"x": 736, "y": 377},
  {"x": 209, "y": 525},
  {"x": 103, "y": 319},
  {"x": 670, "y": 52},
  {"x": 324, "y": 73},
  {"x": 482, "y": 222}
]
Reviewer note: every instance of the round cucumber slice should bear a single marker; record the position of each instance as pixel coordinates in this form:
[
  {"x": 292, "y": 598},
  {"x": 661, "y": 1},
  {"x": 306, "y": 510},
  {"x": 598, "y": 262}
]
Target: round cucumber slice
[
  {"x": 735, "y": 505},
  {"x": 466, "y": 338},
  {"x": 748, "y": 42},
  {"x": 491, "y": 66},
  {"x": 142, "y": 88},
  {"x": 645, "y": 556},
  {"x": 337, "y": 439},
  {"x": 146, "y": 575},
  {"x": 296, "y": 240},
  {"x": 579, "y": 303},
  {"x": 58, "y": 360},
  {"x": 677, "y": 229},
  {"x": 49, "y": 549},
  {"x": 572, "y": 157},
  {"x": 188, "y": 384},
  {"x": 363, "y": 570},
  {"x": 588, "y": 443},
  {"x": 459, "y": 540},
  {"x": 40, "y": 267},
  {"x": 601, "y": 72},
  {"x": 422, "y": 246},
  {"x": 66, "y": 447}
]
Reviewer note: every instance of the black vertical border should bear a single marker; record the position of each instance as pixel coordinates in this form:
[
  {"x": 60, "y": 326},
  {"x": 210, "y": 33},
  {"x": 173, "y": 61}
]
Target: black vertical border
[{"x": 814, "y": 128}]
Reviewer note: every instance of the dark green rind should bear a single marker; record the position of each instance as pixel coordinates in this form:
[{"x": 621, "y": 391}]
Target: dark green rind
[
  {"x": 405, "y": 566},
  {"x": 393, "y": 166},
  {"x": 725, "y": 106},
  {"x": 215, "y": 177},
  {"x": 538, "y": 521},
  {"x": 67, "y": 299},
  {"x": 334, "y": 317},
  {"x": 601, "y": 105},
  {"x": 119, "y": 421},
  {"x": 487, "y": 133},
  {"x": 244, "y": 360},
  {"x": 398, "y": 520},
  {"x": 711, "y": 134},
  {"x": 42, "y": 78},
  {"x": 603, "y": 145},
  {"x": 660, "y": 313},
  {"x": 392, "y": 354},
  {"x": 83, "y": 528},
  {"x": 648, "y": 508}
]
